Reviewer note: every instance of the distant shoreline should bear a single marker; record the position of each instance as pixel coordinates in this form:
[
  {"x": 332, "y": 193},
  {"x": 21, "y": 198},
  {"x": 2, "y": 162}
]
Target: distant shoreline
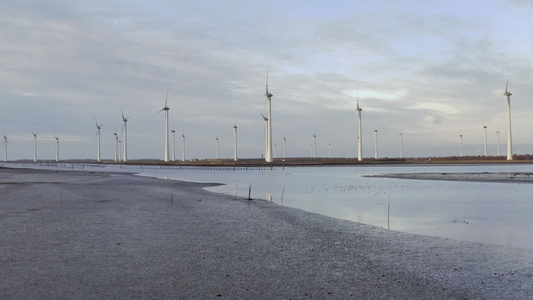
[{"x": 306, "y": 161}]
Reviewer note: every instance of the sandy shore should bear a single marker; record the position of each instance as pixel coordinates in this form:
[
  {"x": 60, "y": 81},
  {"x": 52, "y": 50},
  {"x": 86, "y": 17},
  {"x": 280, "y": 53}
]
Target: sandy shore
[
  {"x": 517, "y": 177},
  {"x": 81, "y": 235}
]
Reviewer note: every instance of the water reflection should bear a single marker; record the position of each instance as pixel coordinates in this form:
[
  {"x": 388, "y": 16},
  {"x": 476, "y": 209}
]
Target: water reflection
[{"x": 488, "y": 212}]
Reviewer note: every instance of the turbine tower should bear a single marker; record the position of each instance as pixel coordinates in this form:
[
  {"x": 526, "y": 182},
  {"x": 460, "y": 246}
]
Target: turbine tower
[
  {"x": 174, "y": 145},
  {"x": 284, "y": 147},
  {"x": 116, "y": 146},
  {"x": 376, "y": 142},
  {"x": 235, "y": 141},
  {"x": 34, "y": 145},
  {"x": 268, "y": 97},
  {"x": 498, "y": 135},
  {"x": 57, "y": 148},
  {"x": 329, "y": 150},
  {"x": 314, "y": 145},
  {"x": 166, "y": 109},
  {"x": 125, "y": 120},
  {"x": 507, "y": 95},
  {"x": 485, "y": 129},
  {"x": 98, "y": 127},
  {"x": 216, "y": 141},
  {"x": 401, "y": 145},
  {"x": 461, "y": 136},
  {"x": 360, "y": 138},
  {"x": 266, "y": 136},
  {"x": 183, "y": 147},
  {"x": 5, "y": 146}
]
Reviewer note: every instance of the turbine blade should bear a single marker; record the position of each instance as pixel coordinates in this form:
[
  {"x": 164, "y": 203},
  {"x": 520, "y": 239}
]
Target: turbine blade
[
  {"x": 266, "y": 93},
  {"x": 167, "y": 97},
  {"x": 507, "y": 84}
]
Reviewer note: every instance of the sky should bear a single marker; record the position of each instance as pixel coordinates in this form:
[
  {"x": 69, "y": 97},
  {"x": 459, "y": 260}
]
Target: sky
[{"x": 432, "y": 70}]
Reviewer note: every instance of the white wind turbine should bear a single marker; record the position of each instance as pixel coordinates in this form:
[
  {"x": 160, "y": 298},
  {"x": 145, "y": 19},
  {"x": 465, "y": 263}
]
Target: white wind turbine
[
  {"x": 284, "y": 147},
  {"x": 34, "y": 145},
  {"x": 376, "y": 143},
  {"x": 485, "y": 130},
  {"x": 507, "y": 95},
  {"x": 360, "y": 138},
  {"x": 314, "y": 145},
  {"x": 329, "y": 150},
  {"x": 461, "y": 136},
  {"x": 166, "y": 109},
  {"x": 98, "y": 127},
  {"x": 183, "y": 146},
  {"x": 268, "y": 97},
  {"x": 216, "y": 141},
  {"x": 5, "y": 146},
  {"x": 57, "y": 148},
  {"x": 498, "y": 135},
  {"x": 116, "y": 146},
  {"x": 235, "y": 141},
  {"x": 125, "y": 120},
  {"x": 173, "y": 145},
  {"x": 401, "y": 145}
]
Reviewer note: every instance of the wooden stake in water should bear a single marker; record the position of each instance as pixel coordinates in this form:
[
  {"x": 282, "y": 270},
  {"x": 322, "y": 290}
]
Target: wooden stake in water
[
  {"x": 250, "y": 192},
  {"x": 388, "y": 214}
]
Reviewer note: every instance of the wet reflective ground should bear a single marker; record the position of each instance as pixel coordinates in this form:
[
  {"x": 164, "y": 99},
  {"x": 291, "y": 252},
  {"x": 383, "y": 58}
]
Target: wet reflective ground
[{"x": 490, "y": 212}]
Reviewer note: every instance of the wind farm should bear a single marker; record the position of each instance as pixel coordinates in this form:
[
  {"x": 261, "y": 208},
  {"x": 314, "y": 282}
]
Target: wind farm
[
  {"x": 436, "y": 150},
  {"x": 295, "y": 160},
  {"x": 430, "y": 102}
]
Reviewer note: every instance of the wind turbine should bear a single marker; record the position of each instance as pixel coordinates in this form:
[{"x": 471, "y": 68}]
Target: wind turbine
[
  {"x": 314, "y": 145},
  {"x": 216, "y": 140},
  {"x": 329, "y": 150},
  {"x": 98, "y": 127},
  {"x": 284, "y": 147},
  {"x": 485, "y": 129},
  {"x": 235, "y": 141},
  {"x": 507, "y": 95},
  {"x": 125, "y": 120},
  {"x": 360, "y": 138},
  {"x": 5, "y": 146},
  {"x": 34, "y": 145},
  {"x": 461, "y": 136},
  {"x": 174, "y": 145},
  {"x": 183, "y": 146},
  {"x": 268, "y": 97},
  {"x": 57, "y": 148},
  {"x": 166, "y": 109},
  {"x": 498, "y": 135},
  {"x": 376, "y": 142},
  {"x": 401, "y": 145},
  {"x": 116, "y": 146}
]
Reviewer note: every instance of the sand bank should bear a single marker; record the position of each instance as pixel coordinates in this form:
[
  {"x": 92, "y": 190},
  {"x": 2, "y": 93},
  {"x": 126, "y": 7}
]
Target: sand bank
[
  {"x": 516, "y": 177},
  {"x": 76, "y": 235}
]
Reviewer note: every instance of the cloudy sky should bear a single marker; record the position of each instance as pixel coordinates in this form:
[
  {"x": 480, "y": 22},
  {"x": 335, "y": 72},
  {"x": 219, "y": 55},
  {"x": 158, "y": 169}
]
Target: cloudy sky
[{"x": 430, "y": 69}]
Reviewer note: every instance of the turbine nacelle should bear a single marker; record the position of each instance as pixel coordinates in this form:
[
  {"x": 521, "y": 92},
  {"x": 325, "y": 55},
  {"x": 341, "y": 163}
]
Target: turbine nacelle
[
  {"x": 98, "y": 126},
  {"x": 123, "y": 118},
  {"x": 506, "y": 93}
]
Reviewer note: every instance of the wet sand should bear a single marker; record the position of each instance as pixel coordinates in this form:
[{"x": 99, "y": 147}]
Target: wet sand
[
  {"x": 516, "y": 177},
  {"x": 81, "y": 235}
]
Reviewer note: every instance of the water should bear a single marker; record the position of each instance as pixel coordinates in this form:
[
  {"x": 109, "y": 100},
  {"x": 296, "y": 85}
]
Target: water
[{"x": 487, "y": 212}]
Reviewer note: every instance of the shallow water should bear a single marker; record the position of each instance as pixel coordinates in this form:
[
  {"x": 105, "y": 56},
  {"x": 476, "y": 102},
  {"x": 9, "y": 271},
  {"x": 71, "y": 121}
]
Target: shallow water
[{"x": 488, "y": 212}]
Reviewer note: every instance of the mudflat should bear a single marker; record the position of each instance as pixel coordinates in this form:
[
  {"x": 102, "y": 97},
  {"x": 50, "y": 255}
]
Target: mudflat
[{"x": 82, "y": 235}]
